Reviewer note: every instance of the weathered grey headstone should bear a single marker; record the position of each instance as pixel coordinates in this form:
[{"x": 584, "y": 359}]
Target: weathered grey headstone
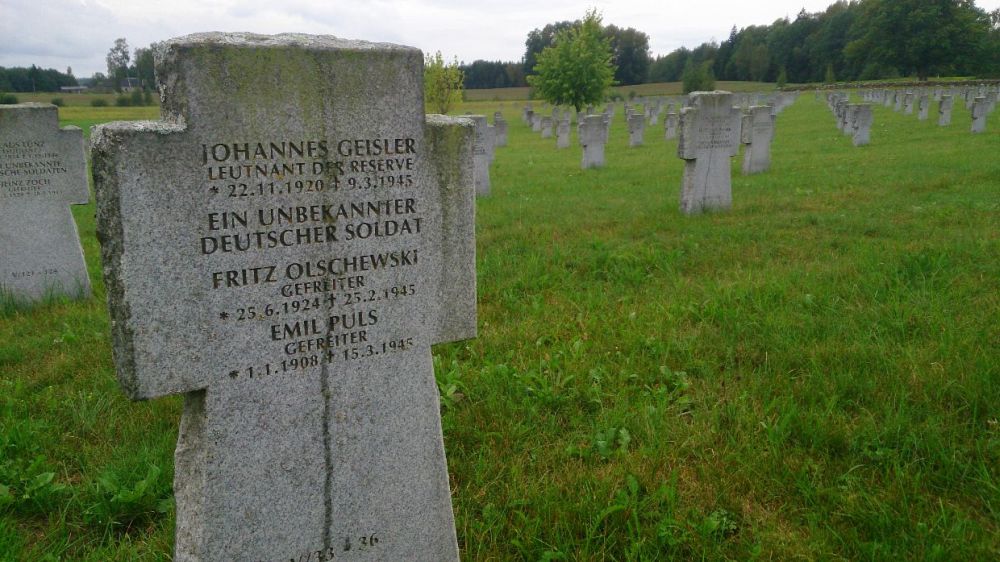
[
  {"x": 709, "y": 137},
  {"x": 923, "y": 107},
  {"x": 670, "y": 125},
  {"x": 979, "y": 114},
  {"x": 908, "y": 103},
  {"x": 43, "y": 171},
  {"x": 562, "y": 132},
  {"x": 636, "y": 128},
  {"x": 500, "y": 128},
  {"x": 944, "y": 110},
  {"x": 536, "y": 122},
  {"x": 259, "y": 259},
  {"x": 481, "y": 155},
  {"x": 757, "y": 134},
  {"x": 861, "y": 119},
  {"x": 593, "y": 136},
  {"x": 546, "y": 127},
  {"x": 529, "y": 117}
]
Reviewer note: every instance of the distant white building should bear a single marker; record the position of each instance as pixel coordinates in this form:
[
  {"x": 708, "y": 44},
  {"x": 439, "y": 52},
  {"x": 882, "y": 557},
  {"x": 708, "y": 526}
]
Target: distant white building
[{"x": 73, "y": 89}]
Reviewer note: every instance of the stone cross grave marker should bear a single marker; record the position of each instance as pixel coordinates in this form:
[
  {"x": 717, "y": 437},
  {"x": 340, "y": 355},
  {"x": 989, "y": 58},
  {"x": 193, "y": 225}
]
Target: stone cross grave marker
[
  {"x": 43, "y": 171},
  {"x": 861, "y": 119},
  {"x": 636, "y": 121},
  {"x": 923, "y": 106},
  {"x": 283, "y": 247},
  {"x": 593, "y": 136},
  {"x": 500, "y": 128},
  {"x": 546, "y": 127},
  {"x": 979, "y": 114},
  {"x": 709, "y": 137},
  {"x": 757, "y": 134},
  {"x": 944, "y": 110},
  {"x": 670, "y": 125},
  {"x": 481, "y": 155},
  {"x": 562, "y": 132}
]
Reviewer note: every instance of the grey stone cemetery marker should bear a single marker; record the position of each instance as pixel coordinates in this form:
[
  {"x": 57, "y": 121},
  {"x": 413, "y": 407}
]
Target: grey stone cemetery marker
[
  {"x": 899, "y": 101},
  {"x": 944, "y": 110},
  {"x": 636, "y": 128},
  {"x": 757, "y": 134},
  {"x": 284, "y": 247},
  {"x": 979, "y": 114},
  {"x": 593, "y": 136},
  {"x": 562, "y": 132},
  {"x": 908, "y": 104},
  {"x": 709, "y": 137},
  {"x": 43, "y": 171},
  {"x": 481, "y": 155},
  {"x": 923, "y": 106},
  {"x": 529, "y": 117},
  {"x": 670, "y": 125},
  {"x": 500, "y": 128},
  {"x": 861, "y": 119},
  {"x": 546, "y": 127},
  {"x": 536, "y": 122}
]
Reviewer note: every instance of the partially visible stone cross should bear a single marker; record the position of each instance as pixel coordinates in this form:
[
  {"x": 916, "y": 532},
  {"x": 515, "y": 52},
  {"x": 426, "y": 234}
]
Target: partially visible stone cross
[{"x": 43, "y": 171}]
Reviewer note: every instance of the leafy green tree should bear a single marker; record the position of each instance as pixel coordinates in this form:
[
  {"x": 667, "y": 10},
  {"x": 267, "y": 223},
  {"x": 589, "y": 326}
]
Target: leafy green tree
[
  {"x": 577, "y": 69},
  {"x": 539, "y": 39},
  {"x": 629, "y": 54},
  {"x": 698, "y": 77},
  {"x": 920, "y": 36},
  {"x": 442, "y": 83},
  {"x": 829, "y": 77},
  {"x": 117, "y": 60},
  {"x": 143, "y": 69}
]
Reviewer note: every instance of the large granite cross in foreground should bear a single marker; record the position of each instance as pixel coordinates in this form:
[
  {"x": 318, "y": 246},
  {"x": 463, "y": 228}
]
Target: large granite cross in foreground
[{"x": 283, "y": 247}]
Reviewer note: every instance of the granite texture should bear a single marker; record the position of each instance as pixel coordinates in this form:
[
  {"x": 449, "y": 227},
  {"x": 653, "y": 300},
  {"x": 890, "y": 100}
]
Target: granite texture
[
  {"x": 43, "y": 170},
  {"x": 636, "y": 128},
  {"x": 861, "y": 119},
  {"x": 481, "y": 155},
  {"x": 944, "y": 110},
  {"x": 260, "y": 260},
  {"x": 593, "y": 136},
  {"x": 758, "y": 132},
  {"x": 979, "y": 114},
  {"x": 709, "y": 137}
]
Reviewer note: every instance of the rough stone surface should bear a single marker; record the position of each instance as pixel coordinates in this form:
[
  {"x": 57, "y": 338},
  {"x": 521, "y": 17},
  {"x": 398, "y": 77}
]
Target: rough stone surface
[
  {"x": 944, "y": 110},
  {"x": 500, "y": 128},
  {"x": 259, "y": 259},
  {"x": 861, "y": 119},
  {"x": 593, "y": 136},
  {"x": 481, "y": 155},
  {"x": 670, "y": 125},
  {"x": 979, "y": 114},
  {"x": 709, "y": 137},
  {"x": 43, "y": 171},
  {"x": 562, "y": 132},
  {"x": 923, "y": 107},
  {"x": 636, "y": 128},
  {"x": 757, "y": 134},
  {"x": 546, "y": 127}
]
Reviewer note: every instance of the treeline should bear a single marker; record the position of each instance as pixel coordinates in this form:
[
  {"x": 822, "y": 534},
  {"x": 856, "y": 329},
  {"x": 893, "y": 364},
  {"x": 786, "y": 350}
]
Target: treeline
[
  {"x": 853, "y": 40},
  {"x": 850, "y": 40},
  {"x": 34, "y": 79}
]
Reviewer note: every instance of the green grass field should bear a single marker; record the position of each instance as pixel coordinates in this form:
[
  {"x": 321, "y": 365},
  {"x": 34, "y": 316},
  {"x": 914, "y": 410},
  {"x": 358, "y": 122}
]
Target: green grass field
[{"x": 814, "y": 375}]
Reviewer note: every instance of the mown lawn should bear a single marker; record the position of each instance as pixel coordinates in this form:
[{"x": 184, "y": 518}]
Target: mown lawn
[{"x": 813, "y": 375}]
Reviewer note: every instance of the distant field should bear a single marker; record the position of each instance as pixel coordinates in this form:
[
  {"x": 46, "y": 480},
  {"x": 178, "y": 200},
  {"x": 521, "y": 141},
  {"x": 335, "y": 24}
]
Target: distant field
[
  {"x": 814, "y": 375},
  {"x": 659, "y": 89}
]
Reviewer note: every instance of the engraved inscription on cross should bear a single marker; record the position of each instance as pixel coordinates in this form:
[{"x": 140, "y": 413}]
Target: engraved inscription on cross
[
  {"x": 709, "y": 137},
  {"x": 43, "y": 171},
  {"x": 283, "y": 247}
]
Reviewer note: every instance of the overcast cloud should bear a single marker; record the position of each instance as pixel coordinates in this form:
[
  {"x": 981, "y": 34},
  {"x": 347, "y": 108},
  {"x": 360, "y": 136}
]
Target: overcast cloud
[{"x": 78, "y": 33}]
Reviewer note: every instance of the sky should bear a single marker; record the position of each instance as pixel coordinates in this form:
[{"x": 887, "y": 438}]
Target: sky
[{"x": 78, "y": 33}]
